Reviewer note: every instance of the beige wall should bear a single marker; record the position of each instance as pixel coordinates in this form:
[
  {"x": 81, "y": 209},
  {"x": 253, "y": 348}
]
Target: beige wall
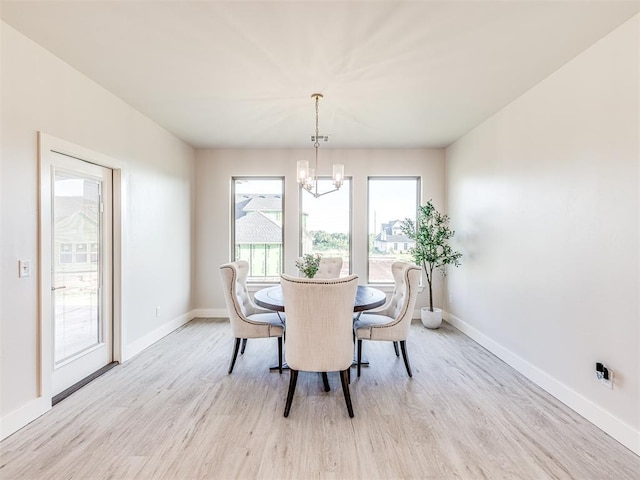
[
  {"x": 214, "y": 169},
  {"x": 544, "y": 197},
  {"x": 40, "y": 92}
]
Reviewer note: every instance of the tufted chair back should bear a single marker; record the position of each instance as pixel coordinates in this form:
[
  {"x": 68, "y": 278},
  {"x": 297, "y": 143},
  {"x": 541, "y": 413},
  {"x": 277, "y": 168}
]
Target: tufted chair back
[
  {"x": 403, "y": 299},
  {"x": 239, "y": 303},
  {"x": 329, "y": 267},
  {"x": 396, "y": 303},
  {"x": 319, "y": 322}
]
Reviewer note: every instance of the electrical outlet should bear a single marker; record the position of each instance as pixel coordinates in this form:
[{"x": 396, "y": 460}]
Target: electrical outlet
[
  {"x": 157, "y": 311},
  {"x": 604, "y": 375},
  {"x": 450, "y": 299}
]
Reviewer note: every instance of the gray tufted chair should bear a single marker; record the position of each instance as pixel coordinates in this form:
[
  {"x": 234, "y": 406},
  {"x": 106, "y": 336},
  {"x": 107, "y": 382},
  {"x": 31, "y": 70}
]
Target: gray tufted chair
[
  {"x": 392, "y": 321},
  {"x": 329, "y": 267},
  {"x": 319, "y": 328},
  {"x": 247, "y": 319}
]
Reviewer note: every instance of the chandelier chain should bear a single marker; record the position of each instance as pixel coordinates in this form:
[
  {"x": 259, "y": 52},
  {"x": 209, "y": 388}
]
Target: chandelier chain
[{"x": 317, "y": 143}]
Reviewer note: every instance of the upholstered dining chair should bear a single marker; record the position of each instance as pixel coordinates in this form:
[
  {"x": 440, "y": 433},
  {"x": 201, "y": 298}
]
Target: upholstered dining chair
[
  {"x": 392, "y": 321},
  {"x": 319, "y": 329},
  {"x": 329, "y": 267},
  {"x": 247, "y": 319}
]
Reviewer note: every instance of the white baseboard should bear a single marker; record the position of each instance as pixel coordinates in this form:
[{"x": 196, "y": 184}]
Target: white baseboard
[
  {"x": 132, "y": 349},
  {"x": 17, "y": 419},
  {"x": 621, "y": 431},
  {"x": 210, "y": 313}
]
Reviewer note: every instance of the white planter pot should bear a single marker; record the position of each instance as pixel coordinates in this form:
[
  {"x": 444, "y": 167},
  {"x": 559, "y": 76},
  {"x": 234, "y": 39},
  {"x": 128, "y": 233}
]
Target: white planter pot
[{"x": 431, "y": 319}]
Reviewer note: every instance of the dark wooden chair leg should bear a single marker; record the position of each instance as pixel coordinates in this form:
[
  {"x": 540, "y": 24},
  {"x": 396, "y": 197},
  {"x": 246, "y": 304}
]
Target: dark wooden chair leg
[
  {"x": 359, "y": 355},
  {"x": 349, "y": 375},
  {"x": 280, "y": 355},
  {"x": 395, "y": 347},
  {"x": 293, "y": 379},
  {"x": 345, "y": 388},
  {"x": 244, "y": 345},
  {"x": 235, "y": 354},
  {"x": 325, "y": 380},
  {"x": 403, "y": 347}
]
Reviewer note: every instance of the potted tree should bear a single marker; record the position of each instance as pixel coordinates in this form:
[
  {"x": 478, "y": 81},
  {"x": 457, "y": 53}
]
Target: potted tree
[{"x": 432, "y": 251}]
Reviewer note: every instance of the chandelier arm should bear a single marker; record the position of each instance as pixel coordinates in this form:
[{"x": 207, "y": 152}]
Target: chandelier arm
[{"x": 316, "y": 195}]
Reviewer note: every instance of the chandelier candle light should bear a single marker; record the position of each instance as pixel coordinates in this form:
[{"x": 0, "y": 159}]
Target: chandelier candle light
[{"x": 308, "y": 177}]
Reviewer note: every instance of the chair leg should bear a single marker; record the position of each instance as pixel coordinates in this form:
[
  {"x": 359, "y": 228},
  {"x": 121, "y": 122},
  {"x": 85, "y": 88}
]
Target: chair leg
[
  {"x": 325, "y": 380},
  {"x": 280, "y": 355},
  {"x": 293, "y": 379},
  {"x": 244, "y": 345},
  {"x": 395, "y": 347},
  {"x": 345, "y": 388},
  {"x": 235, "y": 354},
  {"x": 403, "y": 347},
  {"x": 359, "y": 355}
]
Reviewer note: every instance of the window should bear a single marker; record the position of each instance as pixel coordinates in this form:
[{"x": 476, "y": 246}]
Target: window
[
  {"x": 94, "y": 253},
  {"x": 257, "y": 226},
  {"x": 66, "y": 253},
  {"x": 325, "y": 223},
  {"x": 391, "y": 200},
  {"x": 81, "y": 253}
]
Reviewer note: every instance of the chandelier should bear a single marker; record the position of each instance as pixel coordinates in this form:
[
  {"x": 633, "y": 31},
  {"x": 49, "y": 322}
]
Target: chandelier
[{"x": 308, "y": 177}]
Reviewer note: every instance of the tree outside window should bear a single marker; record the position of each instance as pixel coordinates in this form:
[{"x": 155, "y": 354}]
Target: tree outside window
[
  {"x": 325, "y": 223},
  {"x": 390, "y": 200}
]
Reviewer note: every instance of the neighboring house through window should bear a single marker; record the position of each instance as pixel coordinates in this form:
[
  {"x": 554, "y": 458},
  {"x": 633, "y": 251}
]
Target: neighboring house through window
[
  {"x": 257, "y": 226},
  {"x": 391, "y": 237},
  {"x": 390, "y": 201}
]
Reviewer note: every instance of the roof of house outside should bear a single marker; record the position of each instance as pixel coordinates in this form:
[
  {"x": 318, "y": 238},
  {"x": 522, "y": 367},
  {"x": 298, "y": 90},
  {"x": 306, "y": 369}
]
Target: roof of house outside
[
  {"x": 79, "y": 227},
  {"x": 264, "y": 203},
  {"x": 256, "y": 227},
  {"x": 66, "y": 206}
]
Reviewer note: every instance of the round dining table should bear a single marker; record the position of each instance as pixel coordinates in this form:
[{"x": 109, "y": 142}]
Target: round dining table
[{"x": 366, "y": 298}]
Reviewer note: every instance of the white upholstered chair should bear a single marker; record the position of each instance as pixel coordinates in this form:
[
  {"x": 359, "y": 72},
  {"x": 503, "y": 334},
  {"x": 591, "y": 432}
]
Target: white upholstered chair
[
  {"x": 392, "y": 321},
  {"x": 247, "y": 319},
  {"x": 319, "y": 328},
  {"x": 329, "y": 267}
]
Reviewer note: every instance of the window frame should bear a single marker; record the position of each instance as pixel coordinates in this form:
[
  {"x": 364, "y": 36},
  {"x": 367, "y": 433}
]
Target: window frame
[
  {"x": 232, "y": 246},
  {"x": 418, "y": 179},
  {"x": 302, "y": 191}
]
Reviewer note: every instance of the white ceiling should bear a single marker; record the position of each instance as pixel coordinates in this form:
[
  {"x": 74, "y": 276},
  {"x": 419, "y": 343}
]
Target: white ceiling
[{"x": 393, "y": 74}]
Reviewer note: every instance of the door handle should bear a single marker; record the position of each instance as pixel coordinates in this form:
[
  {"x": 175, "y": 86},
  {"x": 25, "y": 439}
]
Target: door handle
[{"x": 58, "y": 288}]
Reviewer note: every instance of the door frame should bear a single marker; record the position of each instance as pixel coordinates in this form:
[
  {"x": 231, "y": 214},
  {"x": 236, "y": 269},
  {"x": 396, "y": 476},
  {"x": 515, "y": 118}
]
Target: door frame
[{"x": 46, "y": 145}]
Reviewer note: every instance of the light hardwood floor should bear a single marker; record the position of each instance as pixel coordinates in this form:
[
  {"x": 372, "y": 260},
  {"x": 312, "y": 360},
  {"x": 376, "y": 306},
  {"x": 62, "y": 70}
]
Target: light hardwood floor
[{"x": 172, "y": 412}]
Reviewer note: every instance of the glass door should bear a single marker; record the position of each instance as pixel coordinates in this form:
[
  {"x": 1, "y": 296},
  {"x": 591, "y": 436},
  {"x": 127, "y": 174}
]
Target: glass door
[{"x": 81, "y": 270}]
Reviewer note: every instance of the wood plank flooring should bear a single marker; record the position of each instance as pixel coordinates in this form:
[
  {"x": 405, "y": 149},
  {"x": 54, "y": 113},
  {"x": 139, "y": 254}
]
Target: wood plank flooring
[{"x": 172, "y": 412}]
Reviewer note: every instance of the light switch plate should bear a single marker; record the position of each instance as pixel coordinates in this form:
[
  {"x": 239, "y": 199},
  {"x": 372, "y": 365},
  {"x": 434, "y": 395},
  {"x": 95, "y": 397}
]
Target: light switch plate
[{"x": 24, "y": 268}]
